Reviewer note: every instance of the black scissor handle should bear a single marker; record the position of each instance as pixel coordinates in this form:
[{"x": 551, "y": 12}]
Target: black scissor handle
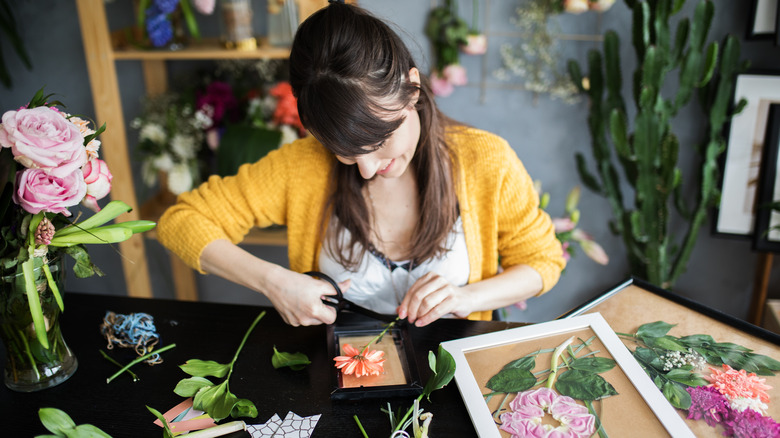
[{"x": 328, "y": 299}]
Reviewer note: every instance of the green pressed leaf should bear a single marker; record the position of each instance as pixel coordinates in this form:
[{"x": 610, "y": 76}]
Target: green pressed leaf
[
  {"x": 764, "y": 361},
  {"x": 511, "y": 380},
  {"x": 665, "y": 342},
  {"x": 190, "y": 387},
  {"x": 677, "y": 395},
  {"x": 731, "y": 346},
  {"x": 593, "y": 364},
  {"x": 244, "y": 408},
  {"x": 55, "y": 420},
  {"x": 217, "y": 401},
  {"x": 654, "y": 329},
  {"x": 524, "y": 363},
  {"x": 584, "y": 385},
  {"x": 205, "y": 368},
  {"x": 443, "y": 367},
  {"x": 686, "y": 377},
  {"x": 697, "y": 340},
  {"x": 296, "y": 361},
  {"x": 167, "y": 433}
]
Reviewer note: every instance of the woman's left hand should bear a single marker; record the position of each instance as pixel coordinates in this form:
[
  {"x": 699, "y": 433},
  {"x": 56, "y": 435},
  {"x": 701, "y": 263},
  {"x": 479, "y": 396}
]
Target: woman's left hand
[{"x": 432, "y": 297}]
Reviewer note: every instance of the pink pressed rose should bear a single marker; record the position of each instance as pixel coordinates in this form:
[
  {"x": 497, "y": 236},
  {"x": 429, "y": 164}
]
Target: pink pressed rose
[
  {"x": 205, "y": 7},
  {"x": 575, "y": 6},
  {"x": 475, "y": 45},
  {"x": 529, "y": 408},
  {"x": 37, "y": 191},
  {"x": 456, "y": 75},
  {"x": 41, "y": 138},
  {"x": 440, "y": 85},
  {"x": 98, "y": 179}
]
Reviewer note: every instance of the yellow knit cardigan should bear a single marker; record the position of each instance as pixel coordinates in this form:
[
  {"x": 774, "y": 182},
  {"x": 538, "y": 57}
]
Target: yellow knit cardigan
[{"x": 291, "y": 185}]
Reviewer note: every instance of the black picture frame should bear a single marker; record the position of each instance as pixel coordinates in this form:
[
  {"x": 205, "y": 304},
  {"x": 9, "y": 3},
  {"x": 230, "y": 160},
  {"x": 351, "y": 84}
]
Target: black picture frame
[
  {"x": 762, "y": 22},
  {"x": 740, "y": 164},
  {"x": 400, "y": 336},
  {"x": 764, "y": 239}
]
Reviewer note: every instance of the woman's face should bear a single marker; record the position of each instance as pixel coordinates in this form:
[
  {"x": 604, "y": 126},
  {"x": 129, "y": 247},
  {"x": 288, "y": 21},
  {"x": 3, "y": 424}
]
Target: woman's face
[{"x": 392, "y": 158}]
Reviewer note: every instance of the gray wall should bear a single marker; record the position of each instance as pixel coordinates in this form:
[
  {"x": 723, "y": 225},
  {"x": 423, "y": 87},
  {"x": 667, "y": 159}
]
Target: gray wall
[{"x": 545, "y": 133}]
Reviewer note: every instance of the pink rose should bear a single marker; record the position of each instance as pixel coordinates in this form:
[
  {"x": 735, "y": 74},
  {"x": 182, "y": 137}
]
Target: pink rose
[
  {"x": 205, "y": 7},
  {"x": 38, "y": 191},
  {"x": 42, "y": 138},
  {"x": 475, "y": 45},
  {"x": 98, "y": 179},
  {"x": 456, "y": 74},
  {"x": 575, "y": 6},
  {"x": 440, "y": 85}
]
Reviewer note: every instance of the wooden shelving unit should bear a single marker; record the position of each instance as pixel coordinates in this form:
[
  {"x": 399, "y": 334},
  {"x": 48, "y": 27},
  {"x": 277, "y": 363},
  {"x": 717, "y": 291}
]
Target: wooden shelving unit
[{"x": 101, "y": 58}]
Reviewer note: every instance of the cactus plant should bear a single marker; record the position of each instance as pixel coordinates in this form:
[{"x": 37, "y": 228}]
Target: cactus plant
[{"x": 648, "y": 156}]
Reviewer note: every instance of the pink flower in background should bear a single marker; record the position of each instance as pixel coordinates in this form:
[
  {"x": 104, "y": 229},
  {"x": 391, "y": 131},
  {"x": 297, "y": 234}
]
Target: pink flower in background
[
  {"x": 475, "y": 45},
  {"x": 286, "y": 111},
  {"x": 456, "y": 75},
  {"x": 590, "y": 247},
  {"x": 42, "y": 138},
  {"x": 563, "y": 224},
  {"x": 98, "y": 179},
  {"x": 37, "y": 191},
  {"x": 440, "y": 85},
  {"x": 601, "y": 5},
  {"x": 218, "y": 100},
  {"x": 575, "y": 6},
  {"x": 205, "y": 7}
]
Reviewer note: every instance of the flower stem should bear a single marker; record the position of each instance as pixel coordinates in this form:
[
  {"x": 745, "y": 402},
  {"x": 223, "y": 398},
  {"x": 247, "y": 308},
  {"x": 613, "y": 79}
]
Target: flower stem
[
  {"x": 243, "y": 341},
  {"x": 406, "y": 415},
  {"x": 110, "y": 359},
  {"x": 599, "y": 426},
  {"x": 554, "y": 361},
  {"x": 137, "y": 360},
  {"x": 360, "y": 426},
  {"x": 377, "y": 337},
  {"x": 29, "y": 354}
]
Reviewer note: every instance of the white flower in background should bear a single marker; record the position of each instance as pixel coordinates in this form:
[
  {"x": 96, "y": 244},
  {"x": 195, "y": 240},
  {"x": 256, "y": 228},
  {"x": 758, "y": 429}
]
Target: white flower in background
[
  {"x": 179, "y": 179},
  {"x": 162, "y": 162},
  {"x": 153, "y": 132},
  {"x": 202, "y": 119},
  {"x": 148, "y": 173},
  {"x": 183, "y": 146},
  {"x": 136, "y": 123},
  {"x": 289, "y": 134}
]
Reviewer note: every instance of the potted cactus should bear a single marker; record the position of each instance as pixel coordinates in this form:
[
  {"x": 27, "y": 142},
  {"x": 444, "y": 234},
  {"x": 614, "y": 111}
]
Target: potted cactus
[{"x": 647, "y": 149}]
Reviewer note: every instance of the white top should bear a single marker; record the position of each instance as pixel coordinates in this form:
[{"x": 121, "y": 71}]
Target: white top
[{"x": 375, "y": 286}]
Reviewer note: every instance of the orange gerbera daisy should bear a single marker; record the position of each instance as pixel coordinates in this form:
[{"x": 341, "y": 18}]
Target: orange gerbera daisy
[
  {"x": 361, "y": 363},
  {"x": 738, "y": 384}
]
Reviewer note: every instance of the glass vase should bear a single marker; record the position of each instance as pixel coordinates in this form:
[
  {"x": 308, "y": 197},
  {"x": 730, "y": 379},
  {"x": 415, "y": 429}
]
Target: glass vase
[
  {"x": 30, "y": 366},
  {"x": 237, "y": 31},
  {"x": 282, "y": 22}
]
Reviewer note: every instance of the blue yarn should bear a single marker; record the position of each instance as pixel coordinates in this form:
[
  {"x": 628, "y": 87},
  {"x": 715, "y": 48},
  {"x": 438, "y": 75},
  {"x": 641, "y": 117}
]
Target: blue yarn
[{"x": 135, "y": 329}]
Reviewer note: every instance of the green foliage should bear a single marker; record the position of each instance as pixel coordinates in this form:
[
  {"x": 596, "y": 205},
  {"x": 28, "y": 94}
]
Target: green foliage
[
  {"x": 10, "y": 33},
  {"x": 244, "y": 144},
  {"x": 648, "y": 155},
  {"x": 296, "y": 361},
  {"x": 443, "y": 367},
  {"x": 584, "y": 385},
  {"x": 447, "y": 32},
  {"x": 511, "y": 380},
  {"x": 61, "y": 425}
]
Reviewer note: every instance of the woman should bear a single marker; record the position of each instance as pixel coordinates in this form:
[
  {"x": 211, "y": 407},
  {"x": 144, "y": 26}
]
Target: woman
[{"x": 406, "y": 209}]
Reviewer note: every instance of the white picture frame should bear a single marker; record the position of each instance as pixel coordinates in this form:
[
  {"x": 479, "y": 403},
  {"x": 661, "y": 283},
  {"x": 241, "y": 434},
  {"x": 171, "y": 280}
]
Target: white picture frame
[
  {"x": 474, "y": 398},
  {"x": 736, "y": 213}
]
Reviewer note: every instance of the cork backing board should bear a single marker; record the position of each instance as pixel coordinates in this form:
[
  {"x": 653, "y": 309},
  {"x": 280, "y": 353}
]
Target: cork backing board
[
  {"x": 633, "y": 306},
  {"x": 393, "y": 370},
  {"x": 637, "y": 406}
]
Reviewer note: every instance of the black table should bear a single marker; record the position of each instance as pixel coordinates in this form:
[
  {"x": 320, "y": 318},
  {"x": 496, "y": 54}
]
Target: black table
[{"x": 211, "y": 331}]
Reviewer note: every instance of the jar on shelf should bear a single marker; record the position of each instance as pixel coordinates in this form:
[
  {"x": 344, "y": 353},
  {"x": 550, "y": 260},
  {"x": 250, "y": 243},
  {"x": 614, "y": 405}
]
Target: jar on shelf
[
  {"x": 282, "y": 22},
  {"x": 236, "y": 23}
]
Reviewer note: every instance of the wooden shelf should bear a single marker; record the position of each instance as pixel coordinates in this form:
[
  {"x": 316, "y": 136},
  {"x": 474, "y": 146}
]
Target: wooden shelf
[{"x": 202, "y": 49}]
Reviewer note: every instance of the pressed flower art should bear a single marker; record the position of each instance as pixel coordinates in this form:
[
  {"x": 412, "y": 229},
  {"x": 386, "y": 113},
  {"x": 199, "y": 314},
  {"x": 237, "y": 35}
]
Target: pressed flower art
[{"x": 360, "y": 363}]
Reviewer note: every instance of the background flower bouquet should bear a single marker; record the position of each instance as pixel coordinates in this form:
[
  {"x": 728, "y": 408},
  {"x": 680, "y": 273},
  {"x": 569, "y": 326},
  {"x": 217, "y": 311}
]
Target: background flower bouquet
[{"x": 48, "y": 164}]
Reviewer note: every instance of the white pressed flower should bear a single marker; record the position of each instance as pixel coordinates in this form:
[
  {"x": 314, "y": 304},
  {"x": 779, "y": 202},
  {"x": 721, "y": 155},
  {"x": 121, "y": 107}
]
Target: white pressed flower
[
  {"x": 179, "y": 179},
  {"x": 153, "y": 132},
  {"x": 163, "y": 162},
  {"x": 742, "y": 403},
  {"x": 183, "y": 146},
  {"x": 289, "y": 134}
]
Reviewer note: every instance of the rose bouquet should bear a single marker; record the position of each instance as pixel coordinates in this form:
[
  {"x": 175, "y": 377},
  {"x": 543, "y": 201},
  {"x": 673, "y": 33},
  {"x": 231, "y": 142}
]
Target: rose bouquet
[{"x": 48, "y": 164}]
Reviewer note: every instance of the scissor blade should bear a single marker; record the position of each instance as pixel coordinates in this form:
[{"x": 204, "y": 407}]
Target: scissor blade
[{"x": 352, "y": 307}]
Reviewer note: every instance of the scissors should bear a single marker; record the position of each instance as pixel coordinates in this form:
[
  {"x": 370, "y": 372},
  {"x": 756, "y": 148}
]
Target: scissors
[{"x": 340, "y": 303}]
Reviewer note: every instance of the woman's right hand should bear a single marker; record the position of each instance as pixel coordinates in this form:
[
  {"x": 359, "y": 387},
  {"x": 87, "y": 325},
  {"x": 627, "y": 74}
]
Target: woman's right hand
[{"x": 298, "y": 298}]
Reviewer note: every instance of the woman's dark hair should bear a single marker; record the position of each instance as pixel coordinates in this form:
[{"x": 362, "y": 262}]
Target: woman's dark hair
[{"x": 348, "y": 70}]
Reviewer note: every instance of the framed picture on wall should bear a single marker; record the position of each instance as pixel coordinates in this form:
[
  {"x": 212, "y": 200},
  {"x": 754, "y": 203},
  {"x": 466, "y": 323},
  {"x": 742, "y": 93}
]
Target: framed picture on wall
[
  {"x": 741, "y": 163},
  {"x": 763, "y": 19},
  {"x": 767, "y": 228},
  {"x": 506, "y": 375}
]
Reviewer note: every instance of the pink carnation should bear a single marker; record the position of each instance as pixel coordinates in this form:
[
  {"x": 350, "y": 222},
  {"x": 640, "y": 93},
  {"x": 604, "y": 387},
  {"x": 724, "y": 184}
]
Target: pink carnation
[
  {"x": 42, "y": 138},
  {"x": 37, "y": 191}
]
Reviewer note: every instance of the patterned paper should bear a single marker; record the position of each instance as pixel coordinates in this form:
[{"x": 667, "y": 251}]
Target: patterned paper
[{"x": 293, "y": 426}]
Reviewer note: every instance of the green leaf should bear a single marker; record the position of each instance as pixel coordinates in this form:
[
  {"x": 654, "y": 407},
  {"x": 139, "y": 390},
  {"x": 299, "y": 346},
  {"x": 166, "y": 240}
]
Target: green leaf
[
  {"x": 697, "y": 340},
  {"x": 524, "y": 363},
  {"x": 686, "y": 377},
  {"x": 189, "y": 387},
  {"x": 167, "y": 433},
  {"x": 584, "y": 385},
  {"x": 677, "y": 395},
  {"x": 244, "y": 408},
  {"x": 764, "y": 361},
  {"x": 242, "y": 144},
  {"x": 654, "y": 329},
  {"x": 593, "y": 364},
  {"x": 665, "y": 342},
  {"x": 216, "y": 401},
  {"x": 55, "y": 420},
  {"x": 107, "y": 234},
  {"x": 511, "y": 380},
  {"x": 87, "y": 431},
  {"x": 83, "y": 267},
  {"x": 443, "y": 367},
  {"x": 107, "y": 213},
  {"x": 296, "y": 361},
  {"x": 205, "y": 368},
  {"x": 731, "y": 346}
]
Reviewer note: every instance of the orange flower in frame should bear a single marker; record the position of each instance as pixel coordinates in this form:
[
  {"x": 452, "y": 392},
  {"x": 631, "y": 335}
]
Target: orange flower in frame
[
  {"x": 360, "y": 363},
  {"x": 736, "y": 384}
]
